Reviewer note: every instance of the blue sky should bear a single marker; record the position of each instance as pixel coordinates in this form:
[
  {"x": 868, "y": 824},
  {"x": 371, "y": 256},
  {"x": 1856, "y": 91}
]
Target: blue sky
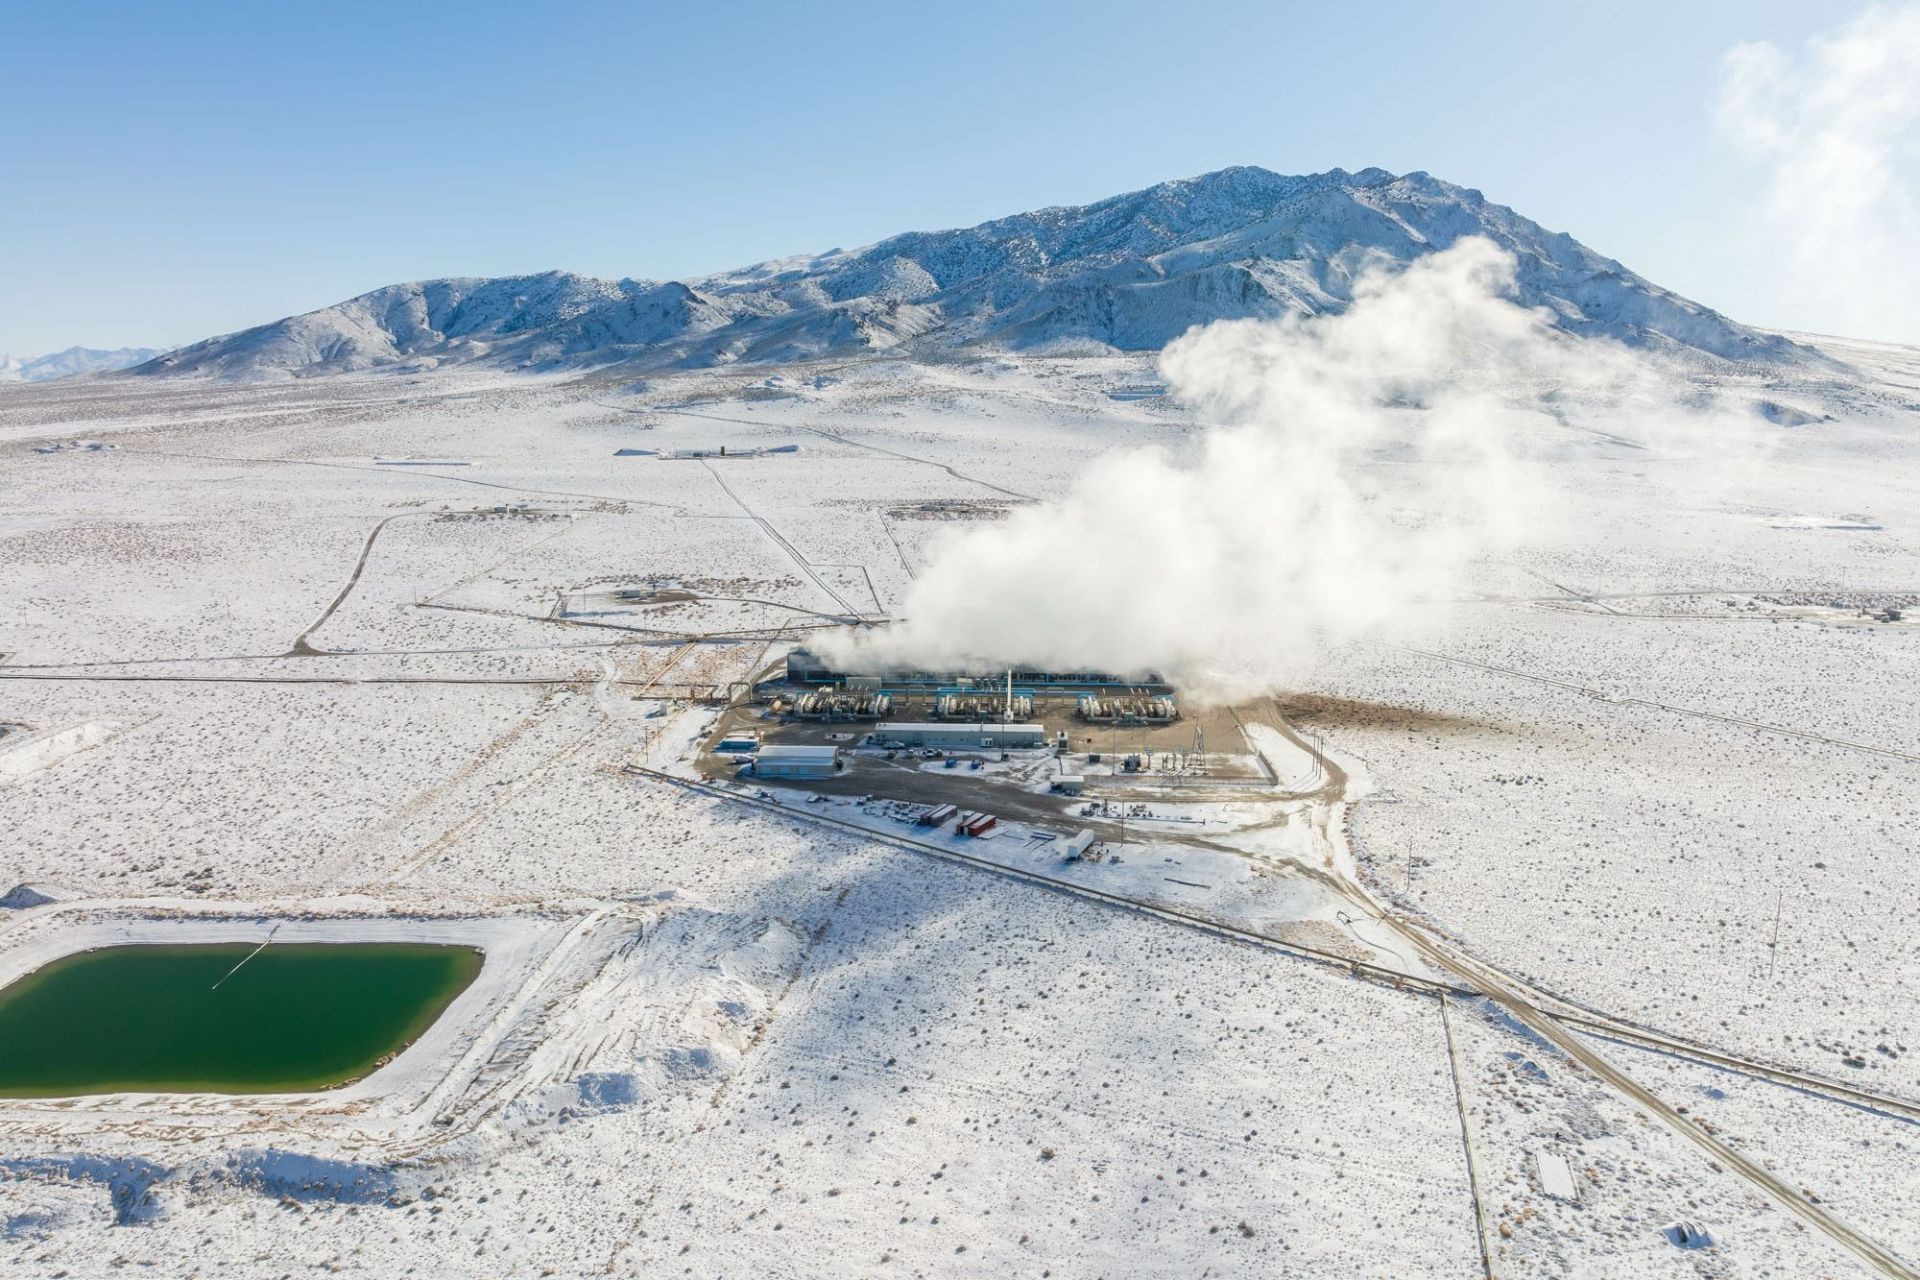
[{"x": 180, "y": 170}]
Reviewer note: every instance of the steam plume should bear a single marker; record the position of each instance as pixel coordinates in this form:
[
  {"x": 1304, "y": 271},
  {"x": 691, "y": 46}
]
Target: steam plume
[{"x": 1364, "y": 459}]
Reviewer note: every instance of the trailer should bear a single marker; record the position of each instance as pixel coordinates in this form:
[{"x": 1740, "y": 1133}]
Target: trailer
[
  {"x": 938, "y": 815},
  {"x": 981, "y": 824}
]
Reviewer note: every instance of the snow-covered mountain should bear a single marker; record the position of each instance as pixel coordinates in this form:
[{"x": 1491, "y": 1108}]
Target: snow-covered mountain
[
  {"x": 64, "y": 364},
  {"x": 1130, "y": 273}
]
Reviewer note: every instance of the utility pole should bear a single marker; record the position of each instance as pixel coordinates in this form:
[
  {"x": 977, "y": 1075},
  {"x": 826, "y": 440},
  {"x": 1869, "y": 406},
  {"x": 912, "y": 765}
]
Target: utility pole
[{"x": 1773, "y": 948}]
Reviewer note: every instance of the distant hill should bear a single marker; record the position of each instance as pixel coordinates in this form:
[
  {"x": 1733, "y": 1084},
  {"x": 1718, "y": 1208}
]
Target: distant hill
[
  {"x": 1130, "y": 274},
  {"x": 64, "y": 364}
]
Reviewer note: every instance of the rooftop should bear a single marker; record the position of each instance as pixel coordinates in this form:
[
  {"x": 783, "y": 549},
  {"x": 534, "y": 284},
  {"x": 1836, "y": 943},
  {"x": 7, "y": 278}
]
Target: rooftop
[
  {"x": 991, "y": 726},
  {"x": 798, "y": 753}
]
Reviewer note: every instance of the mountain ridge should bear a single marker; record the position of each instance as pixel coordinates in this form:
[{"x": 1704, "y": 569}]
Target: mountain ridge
[
  {"x": 72, "y": 362},
  {"x": 1130, "y": 272}
]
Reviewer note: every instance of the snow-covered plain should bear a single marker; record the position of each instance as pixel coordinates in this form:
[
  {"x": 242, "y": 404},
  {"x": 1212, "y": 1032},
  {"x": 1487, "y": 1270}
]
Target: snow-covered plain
[{"x": 283, "y": 679}]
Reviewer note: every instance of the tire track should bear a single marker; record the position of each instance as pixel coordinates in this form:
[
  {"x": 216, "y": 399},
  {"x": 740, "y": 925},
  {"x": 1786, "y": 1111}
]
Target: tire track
[
  {"x": 301, "y": 648},
  {"x": 1466, "y": 1139},
  {"x": 1493, "y": 986},
  {"x": 824, "y": 434},
  {"x": 766, "y": 527},
  {"x": 526, "y": 780}
]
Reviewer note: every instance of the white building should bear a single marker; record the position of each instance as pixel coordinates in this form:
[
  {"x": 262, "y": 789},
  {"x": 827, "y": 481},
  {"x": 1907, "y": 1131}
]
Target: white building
[
  {"x": 796, "y": 762},
  {"x": 961, "y": 736}
]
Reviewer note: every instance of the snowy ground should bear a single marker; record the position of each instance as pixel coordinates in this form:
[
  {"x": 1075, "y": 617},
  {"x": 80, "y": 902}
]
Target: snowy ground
[{"x": 251, "y": 673}]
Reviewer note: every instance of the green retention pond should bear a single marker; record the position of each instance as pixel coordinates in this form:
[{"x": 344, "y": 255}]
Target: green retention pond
[{"x": 182, "y": 1019}]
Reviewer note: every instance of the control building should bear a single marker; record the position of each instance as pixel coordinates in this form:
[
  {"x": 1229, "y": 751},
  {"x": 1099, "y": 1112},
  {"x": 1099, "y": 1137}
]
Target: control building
[
  {"x": 796, "y": 762},
  {"x": 973, "y": 737}
]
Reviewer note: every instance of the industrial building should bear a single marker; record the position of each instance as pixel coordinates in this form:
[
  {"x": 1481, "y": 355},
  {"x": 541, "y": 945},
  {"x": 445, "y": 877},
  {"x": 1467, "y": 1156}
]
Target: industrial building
[
  {"x": 739, "y": 742},
  {"x": 803, "y": 667},
  {"x": 796, "y": 762},
  {"x": 1012, "y": 737}
]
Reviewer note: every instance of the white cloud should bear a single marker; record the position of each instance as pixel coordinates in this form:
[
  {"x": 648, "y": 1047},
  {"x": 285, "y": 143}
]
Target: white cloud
[{"x": 1838, "y": 128}]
